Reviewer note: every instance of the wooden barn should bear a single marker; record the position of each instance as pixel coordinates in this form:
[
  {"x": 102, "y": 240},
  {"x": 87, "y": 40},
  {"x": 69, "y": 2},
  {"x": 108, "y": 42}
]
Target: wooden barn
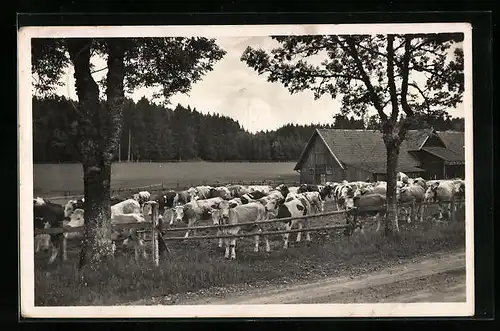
[{"x": 333, "y": 155}]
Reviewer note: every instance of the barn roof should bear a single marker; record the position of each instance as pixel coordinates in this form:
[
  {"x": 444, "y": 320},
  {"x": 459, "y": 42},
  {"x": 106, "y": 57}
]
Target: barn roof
[
  {"x": 365, "y": 149},
  {"x": 454, "y": 141},
  {"x": 446, "y": 154}
]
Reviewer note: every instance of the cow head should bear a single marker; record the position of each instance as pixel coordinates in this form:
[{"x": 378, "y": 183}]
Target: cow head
[
  {"x": 38, "y": 201},
  {"x": 459, "y": 187},
  {"x": 302, "y": 188},
  {"x": 69, "y": 208},
  {"x": 221, "y": 209},
  {"x": 271, "y": 207},
  {"x": 217, "y": 217},
  {"x": 359, "y": 192},
  {"x": 430, "y": 193},
  {"x": 283, "y": 189},
  {"x": 77, "y": 218},
  {"x": 179, "y": 214},
  {"x": 347, "y": 191},
  {"x": 192, "y": 193},
  {"x": 325, "y": 192}
]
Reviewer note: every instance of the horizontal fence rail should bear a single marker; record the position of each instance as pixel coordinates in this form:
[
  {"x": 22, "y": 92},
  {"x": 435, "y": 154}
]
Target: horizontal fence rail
[
  {"x": 274, "y": 220},
  {"x": 264, "y": 233},
  {"x": 71, "y": 229}
]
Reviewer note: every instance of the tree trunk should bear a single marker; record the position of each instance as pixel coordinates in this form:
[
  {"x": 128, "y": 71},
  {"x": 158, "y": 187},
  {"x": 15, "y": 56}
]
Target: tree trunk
[
  {"x": 391, "y": 217},
  {"x": 97, "y": 237},
  {"x": 98, "y": 131}
]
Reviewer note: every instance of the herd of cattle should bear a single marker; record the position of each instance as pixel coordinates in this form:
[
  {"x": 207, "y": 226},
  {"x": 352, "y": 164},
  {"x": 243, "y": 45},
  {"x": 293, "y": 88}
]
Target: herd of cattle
[{"x": 238, "y": 205}]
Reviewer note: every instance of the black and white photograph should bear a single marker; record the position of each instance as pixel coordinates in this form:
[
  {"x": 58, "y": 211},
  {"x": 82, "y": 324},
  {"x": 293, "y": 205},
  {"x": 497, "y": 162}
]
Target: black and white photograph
[{"x": 246, "y": 170}]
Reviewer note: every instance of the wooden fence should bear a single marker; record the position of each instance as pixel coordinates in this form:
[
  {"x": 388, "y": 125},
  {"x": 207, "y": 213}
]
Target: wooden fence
[{"x": 157, "y": 228}]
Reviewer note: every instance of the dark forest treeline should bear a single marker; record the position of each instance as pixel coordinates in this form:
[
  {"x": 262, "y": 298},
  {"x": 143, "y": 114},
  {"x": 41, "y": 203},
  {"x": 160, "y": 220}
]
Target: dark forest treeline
[{"x": 155, "y": 133}]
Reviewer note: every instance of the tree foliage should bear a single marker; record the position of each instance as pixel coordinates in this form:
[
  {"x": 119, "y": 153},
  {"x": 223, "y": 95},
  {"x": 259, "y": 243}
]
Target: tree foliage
[
  {"x": 410, "y": 74},
  {"x": 154, "y": 132},
  {"x": 170, "y": 64}
]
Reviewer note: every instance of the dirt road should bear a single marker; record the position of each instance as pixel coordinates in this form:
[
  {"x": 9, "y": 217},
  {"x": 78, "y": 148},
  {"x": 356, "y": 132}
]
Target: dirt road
[{"x": 440, "y": 279}]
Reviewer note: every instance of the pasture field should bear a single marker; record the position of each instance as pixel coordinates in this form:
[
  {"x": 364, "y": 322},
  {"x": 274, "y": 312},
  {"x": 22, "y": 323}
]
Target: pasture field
[
  {"x": 58, "y": 179},
  {"x": 200, "y": 265}
]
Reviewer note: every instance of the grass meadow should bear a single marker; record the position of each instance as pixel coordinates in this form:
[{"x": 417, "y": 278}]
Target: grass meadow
[
  {"x": 60, "y": 179},
  {"x": 200, "y": 264}
]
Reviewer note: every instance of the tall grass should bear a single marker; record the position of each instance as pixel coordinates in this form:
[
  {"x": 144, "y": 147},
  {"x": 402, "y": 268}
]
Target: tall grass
[{"x": 195, "y": 265}]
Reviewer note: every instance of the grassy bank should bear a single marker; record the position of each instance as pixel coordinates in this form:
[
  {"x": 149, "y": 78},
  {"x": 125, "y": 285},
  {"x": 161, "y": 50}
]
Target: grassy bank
[{"x": 197, "y": 265}]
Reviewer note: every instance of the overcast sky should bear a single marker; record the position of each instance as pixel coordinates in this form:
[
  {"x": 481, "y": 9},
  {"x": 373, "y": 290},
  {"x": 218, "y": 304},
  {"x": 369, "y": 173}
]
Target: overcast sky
[{"x": 233, "y": 89}]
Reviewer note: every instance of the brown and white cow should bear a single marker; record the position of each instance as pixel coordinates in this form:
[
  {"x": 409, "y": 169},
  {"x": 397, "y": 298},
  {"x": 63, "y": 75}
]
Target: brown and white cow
[
  {"x": 314, "y": 199},
  {"x": 367, "y": 205},
  {"x": 250, "y": 212},
  {"x": 252, "y": 196},
  {"x": 295, "y": 207},
  {"x": 48, "y": 215}
]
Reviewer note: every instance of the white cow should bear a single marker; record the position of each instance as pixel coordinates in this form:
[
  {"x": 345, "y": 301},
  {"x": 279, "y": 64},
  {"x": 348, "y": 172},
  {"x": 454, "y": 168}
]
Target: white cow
[
  {"x": 195, "y": 210},
  {"x": 129, "y": 206},
  {"x": 442, "y": 192},
  {"x": 408, "y": 194}
]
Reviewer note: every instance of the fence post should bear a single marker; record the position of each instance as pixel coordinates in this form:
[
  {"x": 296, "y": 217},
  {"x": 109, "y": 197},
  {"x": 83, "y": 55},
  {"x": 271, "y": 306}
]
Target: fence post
[
  {"x": 154, "y": 234},
  {"x": 62, "y": 248},
  {"x": 452, "y": 211},
  {"x": 413, "y": 208}
]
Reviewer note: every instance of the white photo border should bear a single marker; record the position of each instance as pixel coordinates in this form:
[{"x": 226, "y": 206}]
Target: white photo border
[{"x": 25, "y": 161}]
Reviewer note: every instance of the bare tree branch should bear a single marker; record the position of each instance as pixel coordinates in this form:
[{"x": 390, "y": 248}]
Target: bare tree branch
[
  {"x": 351, "y": 49},
  {"x": 426, "y": 100},
  {"x": 404, "y": 90}
]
